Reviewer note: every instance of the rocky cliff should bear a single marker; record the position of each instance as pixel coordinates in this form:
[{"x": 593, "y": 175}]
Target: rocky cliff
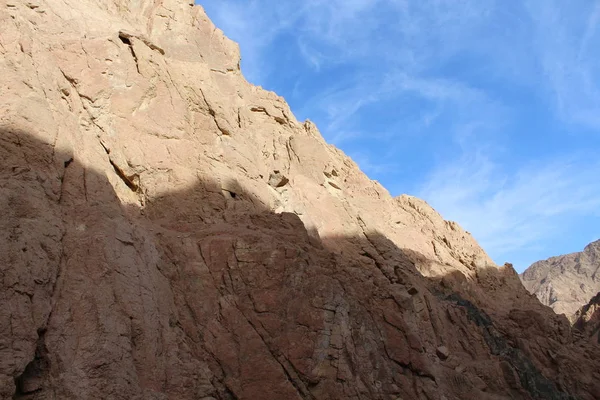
[
  {"x": 566, "y": 282},
  {"x": 170, "y": 231},
  {"x": 587, "y": 319}
]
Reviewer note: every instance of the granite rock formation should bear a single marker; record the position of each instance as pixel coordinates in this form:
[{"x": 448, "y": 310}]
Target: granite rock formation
[
  {"x": 587, "y": 319},
  {"x": 567, "y": 282},
  {"x": 169, "y": 231}
]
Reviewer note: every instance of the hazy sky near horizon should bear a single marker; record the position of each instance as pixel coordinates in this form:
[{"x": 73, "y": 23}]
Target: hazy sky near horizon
[{"x": 487, "y": 109}]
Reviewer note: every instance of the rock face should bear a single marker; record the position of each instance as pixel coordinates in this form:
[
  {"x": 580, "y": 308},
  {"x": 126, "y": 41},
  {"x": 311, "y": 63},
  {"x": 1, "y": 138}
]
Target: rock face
[
  {"x": 170, "y": 231},
  {"x": 566, "y": 282},
  {"x": 587, "y": 319}
]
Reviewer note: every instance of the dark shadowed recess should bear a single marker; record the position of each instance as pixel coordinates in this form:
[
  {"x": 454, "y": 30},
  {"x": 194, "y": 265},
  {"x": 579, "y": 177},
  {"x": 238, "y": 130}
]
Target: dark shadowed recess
[
  {"x": 221, "y": 298},
  {"x": 589, "y": 322}
]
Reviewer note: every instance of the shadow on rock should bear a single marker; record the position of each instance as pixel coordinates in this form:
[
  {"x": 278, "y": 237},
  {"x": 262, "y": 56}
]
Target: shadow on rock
[{"x": 207, "y": 294}]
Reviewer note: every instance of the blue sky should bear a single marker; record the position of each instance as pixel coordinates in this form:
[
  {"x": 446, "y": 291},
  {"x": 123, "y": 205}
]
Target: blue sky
[{"x": 487, "y": 109}]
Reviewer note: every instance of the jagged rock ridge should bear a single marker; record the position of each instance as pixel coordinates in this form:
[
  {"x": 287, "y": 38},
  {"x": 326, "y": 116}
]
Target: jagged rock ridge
[
  {"x": 587, "y": 319},
  {"x": 566, "y": 282},
  {"x": 173, "y": 232}
]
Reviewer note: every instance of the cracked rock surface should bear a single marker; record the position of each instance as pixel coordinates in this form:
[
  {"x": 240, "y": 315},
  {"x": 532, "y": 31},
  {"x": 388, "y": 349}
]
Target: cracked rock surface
[
  {"x": 568, "y": 282},
  {"x": 169, "y": 231}
]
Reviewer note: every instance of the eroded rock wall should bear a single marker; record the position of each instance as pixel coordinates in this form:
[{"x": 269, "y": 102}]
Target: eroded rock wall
[
  {"x": 170, "y": 231},
  {"x": 568, "y": 282}
]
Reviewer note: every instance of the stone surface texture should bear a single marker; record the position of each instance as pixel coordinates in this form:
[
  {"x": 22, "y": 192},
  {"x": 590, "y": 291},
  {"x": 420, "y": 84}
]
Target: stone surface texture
[
  {"x": 169, "y": 231},
  {"x": 587, "y": 319},
  {"x": 567, "y": 282}
]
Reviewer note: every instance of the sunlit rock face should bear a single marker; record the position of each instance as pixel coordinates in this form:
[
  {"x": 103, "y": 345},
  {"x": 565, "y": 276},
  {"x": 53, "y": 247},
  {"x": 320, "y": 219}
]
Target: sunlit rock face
[
  {"x": 568, "y": 282},
  {"x": 170, "y": 231}
]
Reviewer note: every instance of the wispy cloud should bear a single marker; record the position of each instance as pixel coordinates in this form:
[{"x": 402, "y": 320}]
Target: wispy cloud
[
  {"x": 512, "y": 211},
  {"x": 567, "y": 40},
  {"x": 254, "y": 24},
  {"x": 364, "y": 161},
  {"x": 479, "y": 106}
]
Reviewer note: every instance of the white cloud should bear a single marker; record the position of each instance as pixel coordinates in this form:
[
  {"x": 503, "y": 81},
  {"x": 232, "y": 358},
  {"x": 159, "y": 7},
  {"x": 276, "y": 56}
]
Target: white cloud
[
  {"x": 548, "y": 46},
  {"x": 400, "y": 32},
  {"x": 314, "y": 58},
  {"x": 366, "y": 164},
  {"x": 254, "y": 24},
  {"x": 452, "y": 73},
  {"x": 508, "y": 212},
  {"x": 566, "y": 42}
]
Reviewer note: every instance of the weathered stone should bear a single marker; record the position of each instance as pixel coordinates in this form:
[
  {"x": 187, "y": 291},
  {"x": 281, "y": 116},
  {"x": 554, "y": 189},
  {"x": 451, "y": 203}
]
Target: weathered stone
[
  {"x": 442, "y": 352},
  {"x": 587, "y": 321},
  {"x": 565, "y": 283},
  {"x": 145, "y": 255},
  {"x": 277, "y": 179}
]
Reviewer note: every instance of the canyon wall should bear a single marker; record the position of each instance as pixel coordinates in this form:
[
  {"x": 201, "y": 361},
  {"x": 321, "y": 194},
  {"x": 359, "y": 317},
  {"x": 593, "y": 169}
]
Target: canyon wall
[{"x": 170, "y": 231}]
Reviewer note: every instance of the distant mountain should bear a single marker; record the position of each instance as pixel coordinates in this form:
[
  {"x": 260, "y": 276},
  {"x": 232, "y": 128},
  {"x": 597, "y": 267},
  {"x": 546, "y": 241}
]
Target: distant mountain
[
  {"x": 587, "y": 319},
  {"x": 566, "y": 282}
]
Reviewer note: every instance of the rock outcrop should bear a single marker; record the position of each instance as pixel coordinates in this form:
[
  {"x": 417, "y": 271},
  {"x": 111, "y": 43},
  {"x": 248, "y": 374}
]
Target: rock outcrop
[
  {"x": 587, "y": 319},
  {"x": 566, "y": 283},
  {"x": 170, "y": 231}
]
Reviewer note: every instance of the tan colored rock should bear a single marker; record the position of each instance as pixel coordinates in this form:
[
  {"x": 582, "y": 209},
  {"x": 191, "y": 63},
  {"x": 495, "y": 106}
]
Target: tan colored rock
[
  {"x": 149, "y": 250},
  {"x": 568, "y": 282},
  {"x": 587, "y": 319}
]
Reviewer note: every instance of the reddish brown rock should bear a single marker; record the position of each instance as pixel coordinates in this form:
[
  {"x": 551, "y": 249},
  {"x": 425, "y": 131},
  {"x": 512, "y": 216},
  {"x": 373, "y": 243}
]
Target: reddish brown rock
[
  {"x": 587, "y": 319},
  {"x": 150, "y": 251},
  {"x": 442, "y": 352}
]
